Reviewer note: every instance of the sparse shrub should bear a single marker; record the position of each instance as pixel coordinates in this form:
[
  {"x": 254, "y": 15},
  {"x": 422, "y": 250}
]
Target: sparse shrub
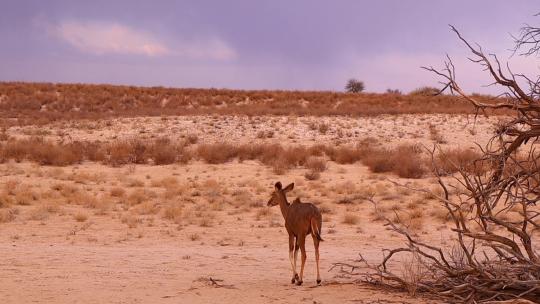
[
  {"x": 312, "y": 175},
  {"x": 413, "y": 273},
  {"x": 166, "y": 182},
  {"x": 8, "y": 214},
  {"x": 137, "y": 196},
  {"x": 120, "y": 153},
  {"x": 41, "y": 151},
  {"x": 173, "y": 213},
  {"x": 409, "y": 162},
  {"x": 424, "y": 91},
  {"x": 435, "y": 135},
  {"x": 405, "y": 160},
  {"x": 5, "y": 200},
  {"x": 131, "y": 220},
  {"x": 118, "y": 192},
  {"x": 323, "y": 128},
  {"x": 351, "y": 219},
  {"x": 450, "y": 161},
  {"x": 348, "y": 155},
  {"x": 263, "y": 213},
  {"x": 46, "y": 153},
  {"x": 279, "y": 167},
  {"x": 192, "y": 139},
  {"x": 80, "y": 217},
  {"x": 3, "y": 135},
  {"x": 164, "y": 153},
  {"x": 147, "y": 208},
  {"x": 380, "y": 161},
  {"x": 206, "y": 221},
  {"x": 440, "y": 214},
  {"x": 316, "y": 164},
  {"x": 94, "y": 151},
  {"x": 216, "y": 153},
  {"x": 15, "y": 149}
]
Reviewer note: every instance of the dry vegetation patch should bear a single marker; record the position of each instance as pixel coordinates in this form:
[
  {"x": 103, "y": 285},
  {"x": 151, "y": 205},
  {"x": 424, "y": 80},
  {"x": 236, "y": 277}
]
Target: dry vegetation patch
[{"x": 40, "y": 103}]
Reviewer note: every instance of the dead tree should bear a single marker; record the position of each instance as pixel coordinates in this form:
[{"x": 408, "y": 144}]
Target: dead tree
[{"x": 495, "y": 256}]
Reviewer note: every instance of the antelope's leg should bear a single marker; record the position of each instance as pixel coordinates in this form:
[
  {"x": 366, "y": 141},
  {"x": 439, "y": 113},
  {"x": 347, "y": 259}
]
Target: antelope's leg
[
  {"x": 316, "y": 244},
  {"x": 302, "y": 243},
  {"x": 291, "y": 257},
  {"x": 296, "y": 250}
]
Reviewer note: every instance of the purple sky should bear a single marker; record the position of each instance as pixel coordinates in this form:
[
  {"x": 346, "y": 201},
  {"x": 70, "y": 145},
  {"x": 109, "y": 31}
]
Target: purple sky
[{"x": 247, "y": 44}]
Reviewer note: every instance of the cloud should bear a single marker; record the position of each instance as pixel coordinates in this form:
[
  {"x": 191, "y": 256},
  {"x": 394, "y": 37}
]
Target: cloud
[
  {"x": 109, "y": 38},
  {"x": 112, "y": 38}
]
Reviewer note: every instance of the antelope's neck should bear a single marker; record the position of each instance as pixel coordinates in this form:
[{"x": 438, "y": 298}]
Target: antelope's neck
[{"x": 284, "y": 206}]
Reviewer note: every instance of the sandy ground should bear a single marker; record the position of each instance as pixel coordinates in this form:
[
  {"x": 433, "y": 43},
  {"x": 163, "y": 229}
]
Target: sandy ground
[
  {"x": 388, "y": 129},
  {"x": 51, "y": 257},
  {"x": 75, "y": 238},
  {"x": 171, "y": 269}
]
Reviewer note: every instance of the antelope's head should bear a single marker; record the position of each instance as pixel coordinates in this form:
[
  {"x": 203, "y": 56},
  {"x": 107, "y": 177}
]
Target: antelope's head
[{"x": 279, "y": 194}]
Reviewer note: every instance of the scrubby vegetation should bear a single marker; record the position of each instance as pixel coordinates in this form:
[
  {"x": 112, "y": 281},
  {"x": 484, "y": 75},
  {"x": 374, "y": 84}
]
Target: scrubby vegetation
[
  {"x": 407, "y": 161},
  {"x": 34, "y": 103}
]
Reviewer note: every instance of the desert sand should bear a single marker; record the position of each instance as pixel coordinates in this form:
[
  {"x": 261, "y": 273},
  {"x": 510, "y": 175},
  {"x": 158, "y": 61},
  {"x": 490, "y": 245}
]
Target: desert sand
[{"x": 201, "y": 233}]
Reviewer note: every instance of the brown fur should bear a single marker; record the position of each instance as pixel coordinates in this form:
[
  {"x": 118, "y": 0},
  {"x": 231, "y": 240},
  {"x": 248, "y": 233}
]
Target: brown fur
[{"x": 301, "y": 219}]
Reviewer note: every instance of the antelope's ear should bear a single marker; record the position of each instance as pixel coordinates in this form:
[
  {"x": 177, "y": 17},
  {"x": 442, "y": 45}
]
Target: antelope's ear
[
  {"x": 278, "y": 186},
  {"x": 289, "y": 187}
]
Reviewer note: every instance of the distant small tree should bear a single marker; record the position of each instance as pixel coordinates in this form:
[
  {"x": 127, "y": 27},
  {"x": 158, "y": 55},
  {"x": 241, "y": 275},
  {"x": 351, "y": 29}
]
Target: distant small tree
[
  {"x": 393, "y": 91},
  {"x": 354, "y": 86}
]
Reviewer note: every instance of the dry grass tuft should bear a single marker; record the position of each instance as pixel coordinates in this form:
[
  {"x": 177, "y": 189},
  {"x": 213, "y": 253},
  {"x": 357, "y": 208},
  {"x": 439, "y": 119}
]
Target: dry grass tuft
[
  {"x": 405, "y": 160},
  {"x": 412, "y": 273},
  {"x": 173, "y": 212},
  {"x": 347, "y": 155},
  {"x": 8, "y": 214},
  {"x": 315, "y": 164},
  {"x": 131, "y": 220},
  {"x": 41, "y": 151},
  {"x": 435, "y": 135},
  {"x": 351, "y": 219},
  {"x": 6, "y": 200},
  {"x": 167, "y": 182},
  {"x": 450, "y": 161},
  {"x": 263, "y": 213},
  {"x": 440, "y": 214},
  {"x": 118, "y": 192},
  {"x": 147, "y": 208},
  {"x": 312, "y": 175},
  {"x": 139, "y": 196},
  {"x": 80, "y": 217},
  {"x": 218, "y": 153},
  {"x": 126, "y": 152}
]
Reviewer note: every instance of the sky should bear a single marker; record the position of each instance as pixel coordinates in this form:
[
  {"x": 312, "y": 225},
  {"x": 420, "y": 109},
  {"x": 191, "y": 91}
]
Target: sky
[{"x": 247, "y": 44}]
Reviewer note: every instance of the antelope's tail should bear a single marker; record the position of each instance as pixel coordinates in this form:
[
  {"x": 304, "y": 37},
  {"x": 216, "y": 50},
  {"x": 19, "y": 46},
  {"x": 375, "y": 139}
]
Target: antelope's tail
[{"x": 315, "y": 229}]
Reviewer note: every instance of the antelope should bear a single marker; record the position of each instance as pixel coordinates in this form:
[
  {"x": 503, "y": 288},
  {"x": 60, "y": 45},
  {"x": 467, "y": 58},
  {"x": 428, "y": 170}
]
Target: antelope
[{"x": 301, "y": 219}]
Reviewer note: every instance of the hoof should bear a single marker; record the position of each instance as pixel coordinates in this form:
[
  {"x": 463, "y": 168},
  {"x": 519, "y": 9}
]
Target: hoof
[
  {"x": 295, "y": 278},
  {"x": 319, "y": 282},
  {"x": 299, "y": 282},
  {"x": 293, "y": 281}
]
